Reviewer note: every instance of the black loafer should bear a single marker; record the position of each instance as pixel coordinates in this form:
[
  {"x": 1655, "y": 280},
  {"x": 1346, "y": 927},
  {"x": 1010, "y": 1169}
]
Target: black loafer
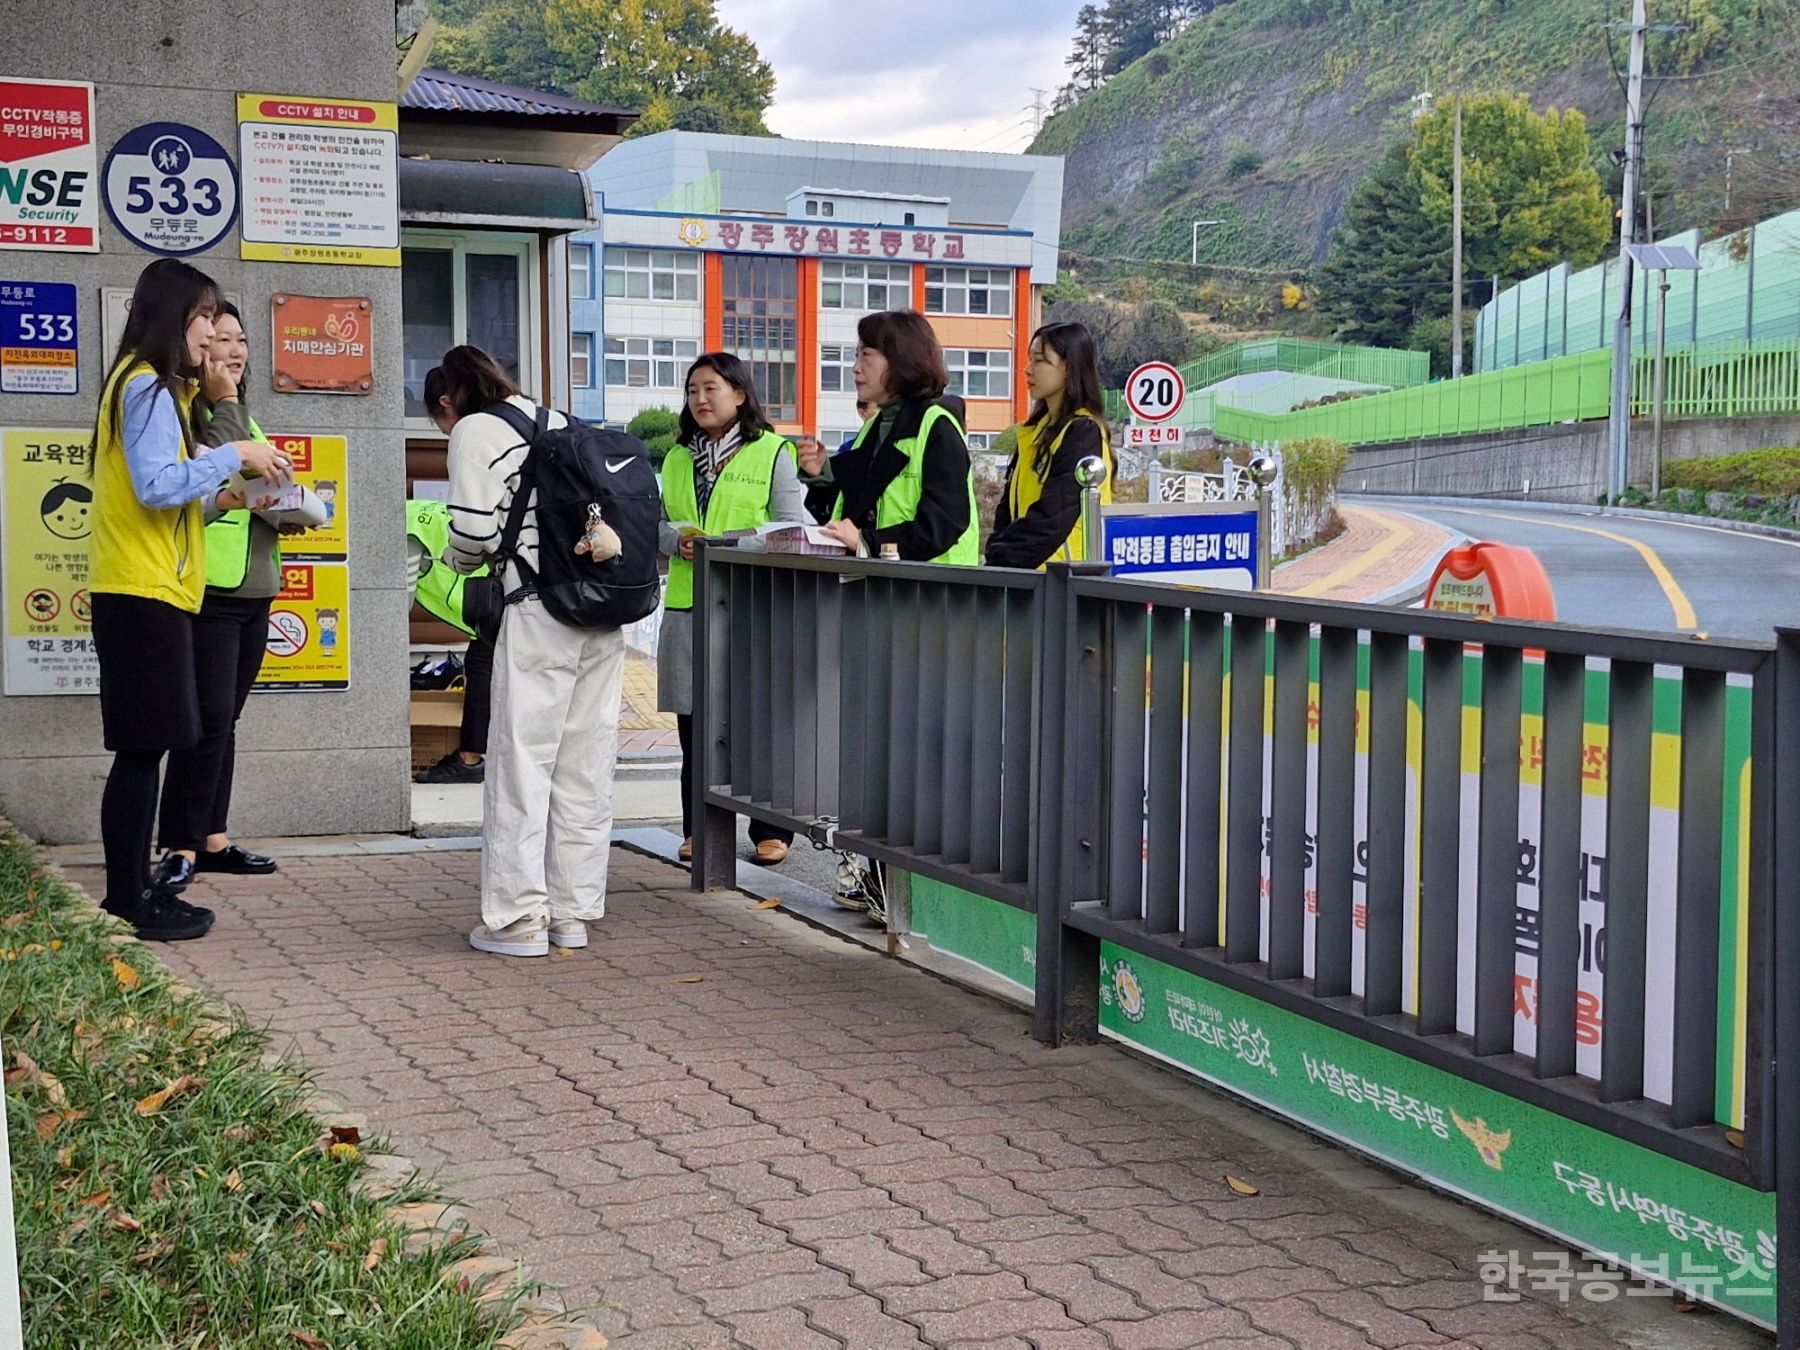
[
  {"x": 235, "y": 861},
  {"x": 173, "y": 874}
]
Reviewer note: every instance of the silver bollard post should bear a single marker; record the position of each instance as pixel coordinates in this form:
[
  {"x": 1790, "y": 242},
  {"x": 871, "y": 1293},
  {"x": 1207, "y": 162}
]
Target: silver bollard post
[
  {"x": 1091, "y": 474},
  {"x": 1263, "y": 471}
]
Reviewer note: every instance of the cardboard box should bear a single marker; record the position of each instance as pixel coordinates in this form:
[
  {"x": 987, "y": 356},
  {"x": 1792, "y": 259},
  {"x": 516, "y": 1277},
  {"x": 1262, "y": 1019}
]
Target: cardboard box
[{"x": 436, "y": 717}]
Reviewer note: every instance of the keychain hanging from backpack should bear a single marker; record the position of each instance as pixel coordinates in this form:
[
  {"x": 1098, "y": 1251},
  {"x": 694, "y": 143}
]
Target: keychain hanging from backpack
[{"x": 599, "y": 540}]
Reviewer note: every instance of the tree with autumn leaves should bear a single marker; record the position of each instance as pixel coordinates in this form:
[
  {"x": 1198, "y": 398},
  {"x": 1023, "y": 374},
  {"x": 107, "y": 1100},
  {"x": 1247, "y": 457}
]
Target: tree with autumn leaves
[
  {"x": 1531, "y": 199},
  {"x": 670, "y": 60}
]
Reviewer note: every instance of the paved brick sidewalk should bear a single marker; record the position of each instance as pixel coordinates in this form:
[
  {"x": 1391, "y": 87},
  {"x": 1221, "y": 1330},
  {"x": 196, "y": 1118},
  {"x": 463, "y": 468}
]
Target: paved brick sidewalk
[
  {"x": 1377, "y": 551},
  {"x": 738, "y": 1131}
]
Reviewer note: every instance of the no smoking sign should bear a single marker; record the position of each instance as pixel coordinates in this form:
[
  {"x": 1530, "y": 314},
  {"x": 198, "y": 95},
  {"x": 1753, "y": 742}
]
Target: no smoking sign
[{"x": 287, "y": 633}]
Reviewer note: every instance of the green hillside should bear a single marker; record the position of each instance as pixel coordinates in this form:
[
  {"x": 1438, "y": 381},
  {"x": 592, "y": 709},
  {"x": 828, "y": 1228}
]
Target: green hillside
[{"x": 1265, "y": 113}]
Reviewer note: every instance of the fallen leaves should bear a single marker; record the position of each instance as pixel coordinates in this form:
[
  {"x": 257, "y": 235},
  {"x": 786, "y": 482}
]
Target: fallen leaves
[
  {"x": 345, "y": 1134},
  {"x": 155, "y": 1102},
  {"x": 771, "y": 903},
  {"x": 1735, "y": 1138},
  {"x": 310, "y": 1341},
  {"x": 691, "y": 979},
  {"x": 1241, "y": 1187},
  {"x": 127, "y": 977},
  {"x": 125, "y": 1223},
  {"x": 95, "y": 1200},
  {"x": 27, "y": 1076},
  {"x": 377, "y": 1250},
  {"x": 234, "y": 1182},
  {"x": 50, "y": 1122},
  {"x": 159, "y": 1187},
  {"x": 348, "y": 1153},
  {"x": 15, "y": 920}
]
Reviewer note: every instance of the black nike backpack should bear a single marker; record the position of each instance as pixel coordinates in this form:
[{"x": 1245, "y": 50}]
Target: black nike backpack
[{"x": 573, "y": 469}]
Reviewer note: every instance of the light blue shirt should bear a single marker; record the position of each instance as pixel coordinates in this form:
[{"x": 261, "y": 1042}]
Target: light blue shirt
[{"x": 161, "y": 478}]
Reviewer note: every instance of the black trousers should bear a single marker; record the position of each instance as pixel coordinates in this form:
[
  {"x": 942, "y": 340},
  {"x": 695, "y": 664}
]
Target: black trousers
[
  {"x": 478, "y": 696},
  {"x": 759, "y": 832},
  {"x": 230, "y": 636}
]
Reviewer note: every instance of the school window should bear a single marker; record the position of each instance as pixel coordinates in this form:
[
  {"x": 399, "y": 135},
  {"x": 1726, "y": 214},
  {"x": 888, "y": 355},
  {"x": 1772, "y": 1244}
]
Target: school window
[
  {"x": 581, "y": 271},
  {"x": 581, "y": 360},
  {"x": 968, "y": 290},
  {"x": 980, "y": 442},
  {"x": 652, "y": 274},
  {"x": 466, "y": 288},
  {"x": 760, "y": 300},
  {"x": 867, "y": 287},
  {"x": 979, "y": 374},
  {"x": 648, "y": 363},
  {"x": 812, "y": 208},
  {"x": 834, "y": 369}
]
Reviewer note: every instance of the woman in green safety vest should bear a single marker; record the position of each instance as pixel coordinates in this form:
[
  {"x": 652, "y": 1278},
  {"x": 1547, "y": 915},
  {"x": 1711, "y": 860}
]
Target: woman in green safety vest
[
  {"x": 907, "y": 479},
  {"x": 243, "y": 576},
  {"x": 731, "y": 471}
]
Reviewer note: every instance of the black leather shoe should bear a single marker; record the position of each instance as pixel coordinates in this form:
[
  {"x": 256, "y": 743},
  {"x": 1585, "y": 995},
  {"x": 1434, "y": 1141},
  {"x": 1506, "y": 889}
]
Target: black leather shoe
[
  {"x": 159, "y": 917},
  {"x": 173, "y": 874},
  {"x": 236, "y": 861}
]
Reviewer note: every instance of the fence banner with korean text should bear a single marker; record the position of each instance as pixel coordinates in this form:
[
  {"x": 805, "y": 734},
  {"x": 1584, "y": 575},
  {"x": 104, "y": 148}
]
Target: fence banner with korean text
[
  {"x": 1710, "y": 1238},
  {"x": 1198, "y": 544},
  {"x": 1665, "y": 821},
  {"x": 309, "y": 630},
  {"x": 45, "y": 499},
  {"x": 998, "y": 937}
]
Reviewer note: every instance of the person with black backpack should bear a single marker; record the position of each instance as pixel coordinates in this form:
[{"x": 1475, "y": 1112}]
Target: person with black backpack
[{"x": 567, "y": 516}]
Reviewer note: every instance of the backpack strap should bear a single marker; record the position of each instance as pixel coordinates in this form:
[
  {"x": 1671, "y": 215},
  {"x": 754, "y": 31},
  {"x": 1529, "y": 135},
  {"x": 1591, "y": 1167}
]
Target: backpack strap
[{"x": 528, "y": 430}]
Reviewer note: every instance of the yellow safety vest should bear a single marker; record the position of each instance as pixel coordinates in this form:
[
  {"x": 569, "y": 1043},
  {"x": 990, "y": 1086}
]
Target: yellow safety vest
[
  {"x": 900, "y": 502},
  {"x": 228, "y": 542},
  {"x": 152, "y": 553},
  {"x": 739, "y": 500},
  {"x": 1031, "y": 471}
]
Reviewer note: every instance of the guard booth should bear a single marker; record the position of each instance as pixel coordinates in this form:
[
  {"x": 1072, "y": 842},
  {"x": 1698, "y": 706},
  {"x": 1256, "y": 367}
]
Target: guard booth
[{"x": 492, "y": 184}]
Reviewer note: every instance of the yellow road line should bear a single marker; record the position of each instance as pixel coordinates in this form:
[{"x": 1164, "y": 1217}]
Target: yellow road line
[
  {"x": 1398, "y": 535},
  {"x": 1684, "y": 611}
]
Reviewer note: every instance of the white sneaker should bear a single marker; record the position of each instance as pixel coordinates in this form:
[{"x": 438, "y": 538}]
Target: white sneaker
[
  {"x": 568, "y": 933},
  {"x": 521, "y": 937}
]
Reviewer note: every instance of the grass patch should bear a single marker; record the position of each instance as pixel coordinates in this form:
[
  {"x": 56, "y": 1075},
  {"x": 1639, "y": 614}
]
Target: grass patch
[{"x": 170, "y": 1190}]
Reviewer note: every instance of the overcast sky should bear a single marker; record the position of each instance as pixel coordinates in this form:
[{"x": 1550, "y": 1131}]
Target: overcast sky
[{"x": 954, "y": 74}]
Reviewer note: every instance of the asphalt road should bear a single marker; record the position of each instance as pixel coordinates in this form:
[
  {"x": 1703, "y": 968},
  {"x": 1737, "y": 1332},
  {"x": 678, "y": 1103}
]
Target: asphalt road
[{"x": 1618, "y": 572}]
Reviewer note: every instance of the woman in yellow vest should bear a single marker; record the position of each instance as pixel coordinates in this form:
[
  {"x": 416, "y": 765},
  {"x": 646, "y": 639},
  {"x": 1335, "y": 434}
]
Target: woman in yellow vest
[
  {"x": 147, "y": 571},
  {"x": 906, "y": 481},
  {"x": 1038, "y": 520},
  {"x": 231, "y": 632},
  {"x": 731, "y": 471}
]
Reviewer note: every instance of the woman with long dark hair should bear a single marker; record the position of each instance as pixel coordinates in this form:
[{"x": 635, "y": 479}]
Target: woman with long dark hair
[
  {"x": 243, "y": 577},
  {"x": 730, "y": 471},
  {"x": 906, "y": 480},
  {"x": 147, "y": 573},
  {"x": 1038, "y": 520}
]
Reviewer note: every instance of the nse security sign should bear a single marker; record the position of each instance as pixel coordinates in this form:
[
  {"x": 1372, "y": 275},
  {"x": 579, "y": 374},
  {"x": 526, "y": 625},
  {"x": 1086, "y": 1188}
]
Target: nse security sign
[{"x": 170, "y": 188}]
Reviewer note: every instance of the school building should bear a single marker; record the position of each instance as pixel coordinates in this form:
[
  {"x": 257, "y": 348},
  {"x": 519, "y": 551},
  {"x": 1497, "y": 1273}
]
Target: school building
[{"x": 773, "y": 249}]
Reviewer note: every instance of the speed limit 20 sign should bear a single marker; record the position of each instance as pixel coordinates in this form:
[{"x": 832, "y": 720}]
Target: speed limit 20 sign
[
  {"x": 1155, "y": 391},
  {"x": 171, "y": 188}
]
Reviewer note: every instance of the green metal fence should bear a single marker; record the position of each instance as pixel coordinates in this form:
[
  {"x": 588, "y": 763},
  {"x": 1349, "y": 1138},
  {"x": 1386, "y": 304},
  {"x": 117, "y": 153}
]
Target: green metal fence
[
  {"x": 1747, "y": 290},
  {"x": 1384, "y": 367},
  {"x": 1569, "y": 389},
  {"x": 1739, "y": 379}
]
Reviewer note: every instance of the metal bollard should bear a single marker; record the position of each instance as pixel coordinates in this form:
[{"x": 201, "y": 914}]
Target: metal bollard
[
  {"x": 1263, "y": 471},
  {"x": 1091, "y": 474}
]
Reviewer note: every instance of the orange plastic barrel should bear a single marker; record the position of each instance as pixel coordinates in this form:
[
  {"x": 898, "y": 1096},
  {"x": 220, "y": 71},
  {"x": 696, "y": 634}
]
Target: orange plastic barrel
[{"x": 1498, "y": 581}]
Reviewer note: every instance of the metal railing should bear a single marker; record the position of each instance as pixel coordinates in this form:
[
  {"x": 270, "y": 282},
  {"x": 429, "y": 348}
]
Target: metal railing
[{"x": 1074, "y": 745}]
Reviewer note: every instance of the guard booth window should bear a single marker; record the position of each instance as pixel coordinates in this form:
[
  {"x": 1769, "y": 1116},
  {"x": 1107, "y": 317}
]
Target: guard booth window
[
  {"x": 760, "y": 300},
  {"x": 465, "y": 288}
]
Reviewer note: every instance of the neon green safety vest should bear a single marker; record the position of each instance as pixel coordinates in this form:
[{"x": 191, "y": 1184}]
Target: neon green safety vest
[
  {"x": 739, "y": 501},
  {"x": 228, "y": 541},
  {"x": 440, "y": 590},
  {"x": 900, "y": 503}
]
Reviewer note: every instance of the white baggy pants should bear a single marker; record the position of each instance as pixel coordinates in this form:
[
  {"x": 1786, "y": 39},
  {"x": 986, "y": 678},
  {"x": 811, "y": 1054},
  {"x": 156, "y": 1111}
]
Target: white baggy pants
[{"x": 553, "y": 742}]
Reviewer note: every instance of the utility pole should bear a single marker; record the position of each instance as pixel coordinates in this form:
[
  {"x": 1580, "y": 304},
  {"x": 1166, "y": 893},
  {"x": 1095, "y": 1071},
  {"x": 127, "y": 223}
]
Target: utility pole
[
  {"x": 1619, "y": 422},
  {"x": 1037, "y": 111},
  {"x": 1456, "y": 255}
]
